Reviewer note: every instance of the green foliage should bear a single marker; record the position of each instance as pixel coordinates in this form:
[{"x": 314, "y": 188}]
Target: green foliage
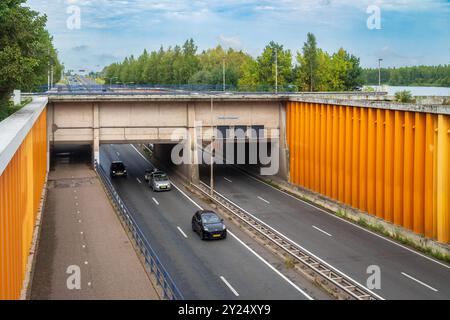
[
  {"x": 25, "y": 49},
  {"x": 404, "y": 96},
  {"x": 182, "y": 65},
  {"x": 7, "y": 108},
  {"x": 410, "y": 76},
  {"x": 309, "y": 64},
  {"x": 320, "y": 71}
]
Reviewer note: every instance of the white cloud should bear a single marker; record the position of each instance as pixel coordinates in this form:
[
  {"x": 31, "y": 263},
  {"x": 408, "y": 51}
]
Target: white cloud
[{"x": 230, "y": 42}]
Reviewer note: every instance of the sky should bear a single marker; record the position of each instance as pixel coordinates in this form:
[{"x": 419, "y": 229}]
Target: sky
[{"x": 90, "y": 34}]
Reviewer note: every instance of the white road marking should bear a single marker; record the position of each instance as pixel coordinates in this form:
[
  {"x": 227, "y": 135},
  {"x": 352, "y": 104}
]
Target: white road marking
[
  {"x": 155, "y": 201},
  {"x": 226, "y": 179},
  {"x": 139, "y": 180},
  {"x": 349, "y": 222},
  {"x": 262, "y": 199},
  {"x": 239, "y": 240},
  {"x": 229, "y": 286},
  {"x": 271, "y": 267},
  {"x": 304, "y": 249},
  {"x": 182, "y": 232},
  {"x": 318, "y": 229},
  {"x": 420, "y": 282}
]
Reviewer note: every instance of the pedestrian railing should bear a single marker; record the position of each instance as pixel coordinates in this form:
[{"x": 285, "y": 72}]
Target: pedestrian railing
[{"x": 170, "y": 290}]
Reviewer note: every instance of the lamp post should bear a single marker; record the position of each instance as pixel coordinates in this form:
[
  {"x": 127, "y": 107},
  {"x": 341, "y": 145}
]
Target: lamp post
[
  {"x": 276, "y": 70},
  {"x": 223, "y": 71},
  {"x": 379, "y": 73},
  {"x": 110, "y": 81},
  {"x": 212, "y": 148}
]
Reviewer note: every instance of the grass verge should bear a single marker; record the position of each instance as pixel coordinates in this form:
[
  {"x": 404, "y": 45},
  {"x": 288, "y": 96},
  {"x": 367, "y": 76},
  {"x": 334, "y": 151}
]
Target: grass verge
[{"x": 7, "y": 108}]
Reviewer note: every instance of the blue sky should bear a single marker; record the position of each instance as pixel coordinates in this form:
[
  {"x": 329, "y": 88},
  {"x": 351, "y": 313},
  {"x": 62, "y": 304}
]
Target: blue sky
[{"x": 412, "y": 31}]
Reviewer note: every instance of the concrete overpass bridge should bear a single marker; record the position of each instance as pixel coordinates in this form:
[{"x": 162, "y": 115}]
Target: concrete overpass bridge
[{"x": 373, "y": 159}]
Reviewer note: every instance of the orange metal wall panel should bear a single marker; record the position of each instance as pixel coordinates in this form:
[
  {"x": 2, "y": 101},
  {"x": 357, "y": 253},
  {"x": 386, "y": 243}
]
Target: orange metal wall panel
[
  {"x": 363, "y": 161},
  {"x": 443, "y": 179},
  {"x": 323, "y": 148},
  {"x": 355, "y": 157},
  {"x": 329, "y": 151},
  {"x": 419, "y": 173},
  {"x": 389, "y": 166},
  {"x": 399, "y": 142},
  {"x": 371, "y": 145},
  {"x": 341, "y": 153},
  {"x": 21, "y": 185},
  {"x": 380, "y": 151},
  {"x": 348, "y": 156},
  {"x": 408, "y": 171},
  {"x": 429, "y": 176},
  {"x": 392, "y": 164},
  {"x": 302, "y": 131},
  {"x": 335, "y": 154},
  {"x": 307, "y": 143}
]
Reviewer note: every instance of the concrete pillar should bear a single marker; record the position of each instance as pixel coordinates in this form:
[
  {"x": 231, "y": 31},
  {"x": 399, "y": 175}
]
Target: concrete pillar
[
  {"x": 96, "y": 140},
  {"x": 192, "y": 145},
  {"x": 50, "y": 133},
  {"x": 284, "y": 150}
]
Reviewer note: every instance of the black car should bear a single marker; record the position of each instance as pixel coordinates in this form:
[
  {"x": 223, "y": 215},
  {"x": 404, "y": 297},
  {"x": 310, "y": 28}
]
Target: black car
[
  {"x": 209, "y": 225},
  {"x": 118, "y": 169}
]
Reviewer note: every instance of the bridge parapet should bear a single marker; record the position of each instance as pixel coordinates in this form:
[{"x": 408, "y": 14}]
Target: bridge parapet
[{"x": 23, "y": 171}]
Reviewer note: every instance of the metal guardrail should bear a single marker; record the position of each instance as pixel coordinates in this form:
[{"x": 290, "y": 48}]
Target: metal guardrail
[
  {"x": 170, "y": 290},
  {"x": 348, "y": 286},
  {"x": 161, "y": 89}
]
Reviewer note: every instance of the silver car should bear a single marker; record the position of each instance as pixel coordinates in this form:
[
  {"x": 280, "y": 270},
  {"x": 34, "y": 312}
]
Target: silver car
[{"x": 159, "y": 181}]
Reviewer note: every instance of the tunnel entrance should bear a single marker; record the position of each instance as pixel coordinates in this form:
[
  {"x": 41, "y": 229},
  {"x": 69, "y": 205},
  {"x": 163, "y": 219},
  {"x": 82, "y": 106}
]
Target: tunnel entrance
[{"x": 70, "y": 154}]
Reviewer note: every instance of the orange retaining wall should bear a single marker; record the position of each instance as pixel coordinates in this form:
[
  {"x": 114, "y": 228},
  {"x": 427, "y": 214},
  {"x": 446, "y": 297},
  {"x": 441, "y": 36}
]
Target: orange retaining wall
[
  {"x": 390, "y": 163},
  {"x": 21, "y": 186}
]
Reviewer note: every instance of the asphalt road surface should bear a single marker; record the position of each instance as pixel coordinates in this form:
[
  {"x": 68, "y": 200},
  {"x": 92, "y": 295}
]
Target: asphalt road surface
[
  {"x": 405, "y": 273},
  {"x": 217, "y": 270}
]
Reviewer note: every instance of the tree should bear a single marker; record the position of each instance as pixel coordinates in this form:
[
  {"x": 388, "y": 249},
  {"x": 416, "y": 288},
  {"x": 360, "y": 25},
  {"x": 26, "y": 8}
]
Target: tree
[
  {"x": 272, "y": 56},
  {"x": 202, "y": 77},
  {"x": 249, "y": 79},
  {"x": 25, "y": 49},
  {"x": 309, "y": 64}
]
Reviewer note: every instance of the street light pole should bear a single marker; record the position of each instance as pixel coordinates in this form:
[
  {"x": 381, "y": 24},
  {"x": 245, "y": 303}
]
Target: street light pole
[
  {"x": 276, "y": 71},
  {"x": 379, "y": 73},
  {"x": 212, "y": 148},
  {"x": 224, "y": 83}
]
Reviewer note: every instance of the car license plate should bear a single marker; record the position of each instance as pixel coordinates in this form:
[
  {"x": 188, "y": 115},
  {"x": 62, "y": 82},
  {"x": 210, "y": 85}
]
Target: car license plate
[
  {"x": 163, "y": 187},
  {"x": 216, "y": 235}
]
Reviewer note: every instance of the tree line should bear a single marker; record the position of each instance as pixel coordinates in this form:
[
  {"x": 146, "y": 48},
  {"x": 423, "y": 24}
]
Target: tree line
[
  {"x": 25, "y": 50},
  {"x": 438, "y": 76},
  {"x": 312, "y": 69}
]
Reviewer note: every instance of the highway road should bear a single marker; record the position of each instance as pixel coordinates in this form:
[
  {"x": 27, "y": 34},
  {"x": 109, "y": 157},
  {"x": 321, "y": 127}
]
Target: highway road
[
  {"x": 216, "y": 270},
  {"x": 405, "y": 273}
]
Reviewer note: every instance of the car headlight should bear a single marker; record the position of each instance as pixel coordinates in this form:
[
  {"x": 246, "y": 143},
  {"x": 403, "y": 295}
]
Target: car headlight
[
  {"x": 224, "y": 227},
  {"x": 206, "y": 228},
  {"x": 114, "y": 172}
]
